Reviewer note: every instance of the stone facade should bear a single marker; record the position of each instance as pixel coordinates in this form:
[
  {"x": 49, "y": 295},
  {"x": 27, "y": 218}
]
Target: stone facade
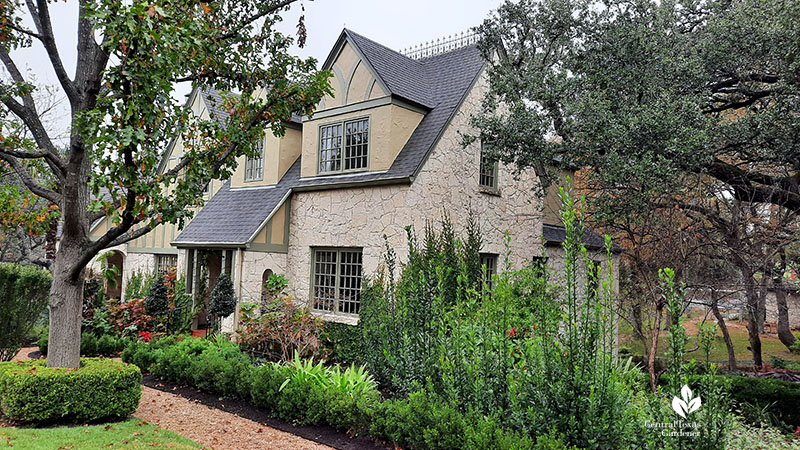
[
  {"x": 792, "y": 300},
  {"x": 447, "y": 184}
]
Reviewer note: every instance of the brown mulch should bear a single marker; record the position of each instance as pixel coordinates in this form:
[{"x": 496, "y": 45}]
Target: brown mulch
[{"x": 211, "y": 427}]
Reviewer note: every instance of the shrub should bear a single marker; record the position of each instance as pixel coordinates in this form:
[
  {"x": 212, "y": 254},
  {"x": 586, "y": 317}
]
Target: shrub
[
  {"x": 157, "y": 303},
  {"x": 99, "y": 389},
  {"x": 129, "y": 318},
  {"x": 223, "y": 297},
  {"x": 24, "y": 292},
  {"x": 781, "y": 396},
  {"x": 88, "y": 344},
  {"x": 266, "y": 385},
  {"x": 342, "y": 342},
  {"x": 282, "y": 330},
  {"x": 222, "y": 368}
]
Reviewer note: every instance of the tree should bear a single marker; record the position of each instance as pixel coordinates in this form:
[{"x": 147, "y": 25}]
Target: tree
[
  {"x": 647, "y": 95},
  {"x": 223, "y": 297},
  {"x": 643, "y": 90},
  {"x": 130, "y": 55}
]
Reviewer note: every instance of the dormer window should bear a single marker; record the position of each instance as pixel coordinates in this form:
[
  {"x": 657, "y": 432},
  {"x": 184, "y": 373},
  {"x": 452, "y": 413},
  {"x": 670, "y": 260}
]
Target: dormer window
[
  {"x": 344, "y": 146},
  {"x": 254, "y": 165}
]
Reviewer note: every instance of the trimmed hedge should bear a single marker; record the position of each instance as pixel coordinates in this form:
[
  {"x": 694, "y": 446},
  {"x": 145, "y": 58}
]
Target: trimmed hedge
[
  {"x": 782, "y": 396},
  {"x": 99, "y": 389},
  {"x": 92, "y": 345},
  {"x": 301, "y": 392}
]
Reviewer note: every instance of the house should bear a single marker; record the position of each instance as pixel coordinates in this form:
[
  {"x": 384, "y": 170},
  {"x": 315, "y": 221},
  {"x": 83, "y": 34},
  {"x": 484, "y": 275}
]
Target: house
[{"x": 382, "y": 153}]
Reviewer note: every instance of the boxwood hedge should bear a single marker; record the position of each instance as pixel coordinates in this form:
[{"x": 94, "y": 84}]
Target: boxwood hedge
[{"x": 99, "y": 389}]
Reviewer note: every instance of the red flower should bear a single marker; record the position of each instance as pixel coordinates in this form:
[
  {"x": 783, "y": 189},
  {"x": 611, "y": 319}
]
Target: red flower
[
  {"x": 145, "y": 335},
  {"x": 512, "y": 333}
]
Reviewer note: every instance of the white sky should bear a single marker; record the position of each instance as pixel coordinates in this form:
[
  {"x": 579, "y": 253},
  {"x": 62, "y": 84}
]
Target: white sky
[{"x": 395, "y": 24}]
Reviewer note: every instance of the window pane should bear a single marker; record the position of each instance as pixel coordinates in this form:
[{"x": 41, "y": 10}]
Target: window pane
[
  {"x": 166, "y": 262},
  {"x": 488, "y": 170},
  {"x": 490, "y": 262},
  {"x": 330, "y": 148},
  {"x": 350, "y": 282},
  {"x": 324, "y": 280},
  {"x": 356, "y": 144},
  {"x": 254, "y": 166}
]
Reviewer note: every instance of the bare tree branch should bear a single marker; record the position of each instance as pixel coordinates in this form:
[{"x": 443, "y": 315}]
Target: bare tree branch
[
  {"x": 26, "y": 178},
  {"x": 41, "y": 18}
]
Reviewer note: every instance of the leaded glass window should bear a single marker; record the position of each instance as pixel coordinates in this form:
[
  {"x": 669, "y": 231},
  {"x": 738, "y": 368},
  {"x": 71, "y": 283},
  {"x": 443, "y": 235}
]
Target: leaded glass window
[
  {"x": 337, "y": 280},
  {"x": 344, "y": 146},
  {"x": 254, "y": 166},
  {"x": 488, "y": 169}
]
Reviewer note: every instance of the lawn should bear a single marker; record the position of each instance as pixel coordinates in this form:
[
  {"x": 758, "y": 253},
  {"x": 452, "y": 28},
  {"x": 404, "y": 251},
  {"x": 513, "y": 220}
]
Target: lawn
[
  {"x": 131, "y": 434},
  {"x": 770, "y": 345}
]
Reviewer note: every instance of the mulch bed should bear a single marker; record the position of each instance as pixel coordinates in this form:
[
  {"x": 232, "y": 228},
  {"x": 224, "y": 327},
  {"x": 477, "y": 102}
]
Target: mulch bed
[{"x": 321, "y": 434}]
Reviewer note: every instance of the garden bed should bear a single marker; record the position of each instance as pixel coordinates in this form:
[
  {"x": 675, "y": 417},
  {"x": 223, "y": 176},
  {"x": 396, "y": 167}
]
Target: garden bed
[{"x": 321, "y": 434}]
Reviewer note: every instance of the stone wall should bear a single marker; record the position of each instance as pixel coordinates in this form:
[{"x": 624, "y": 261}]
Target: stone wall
[
  {"x": 447, "y": 183},
  {"x": 253, "y": 266},
  {"x": 793, "y": 301}
]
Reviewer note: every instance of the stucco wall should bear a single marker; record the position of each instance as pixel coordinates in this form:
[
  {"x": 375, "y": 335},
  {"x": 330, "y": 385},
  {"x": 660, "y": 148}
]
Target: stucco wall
[{"x": 448, "y": 182}]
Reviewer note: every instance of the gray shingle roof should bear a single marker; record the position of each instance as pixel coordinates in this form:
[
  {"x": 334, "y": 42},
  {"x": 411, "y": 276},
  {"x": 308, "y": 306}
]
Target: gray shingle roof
[
  {"x": 438, "y": 83},
  {"x": 232, "y": 216},
  {"x": 215, "y": 104},
  {"x": 555, "y": 235}
]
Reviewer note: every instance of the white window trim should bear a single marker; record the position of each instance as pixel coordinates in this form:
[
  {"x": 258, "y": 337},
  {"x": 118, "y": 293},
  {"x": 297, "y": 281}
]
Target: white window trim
[{"x": 248, "y": 160}]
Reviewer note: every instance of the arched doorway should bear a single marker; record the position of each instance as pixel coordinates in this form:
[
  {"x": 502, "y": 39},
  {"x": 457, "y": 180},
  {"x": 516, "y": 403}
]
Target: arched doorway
[
  {"x": 264, "y": 291},
  {"x": 115, "y": 262}
]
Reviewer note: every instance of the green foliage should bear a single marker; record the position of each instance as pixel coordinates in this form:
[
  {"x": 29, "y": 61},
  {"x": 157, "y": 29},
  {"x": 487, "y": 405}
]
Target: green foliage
[
  {"x": 399, "y": 322},
  {"x": 223, "y": 297},
  {"x": 99, "y": 389},
  {"x": 138, "y": 285},
  {"x": 24, "y": 292},
  {"x": 660, "y": 110},
  {"x": 782, "y": 396},
  {"x": 425, "y": 421},
  {"x": 342, "y": 342},
  {"x": 282, "y": 329},
  {"x": 795, "y": 348},
  {"x": 157, "y": 303}
]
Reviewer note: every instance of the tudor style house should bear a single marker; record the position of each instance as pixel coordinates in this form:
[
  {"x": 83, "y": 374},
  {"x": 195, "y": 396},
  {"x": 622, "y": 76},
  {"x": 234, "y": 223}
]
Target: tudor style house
[{"x": 382, "y": 153}]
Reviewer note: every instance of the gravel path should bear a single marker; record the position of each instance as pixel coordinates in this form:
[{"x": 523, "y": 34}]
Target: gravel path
[{"x": 211, "y": 427}]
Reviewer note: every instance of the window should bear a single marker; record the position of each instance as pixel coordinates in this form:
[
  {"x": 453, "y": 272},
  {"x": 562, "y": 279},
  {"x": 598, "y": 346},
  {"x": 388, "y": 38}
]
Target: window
[
  {"x": 337, "y": 280},
  {"x": 488, "y": 169},
  {"x": 166, "y": 262},
  {"x": 344, "y": 151},
  {"x": 488, "y": 260},
  {"x": 254, "y": 166}
]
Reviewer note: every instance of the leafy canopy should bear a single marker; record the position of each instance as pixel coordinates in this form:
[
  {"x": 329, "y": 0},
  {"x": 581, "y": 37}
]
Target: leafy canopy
[{"x": 642, "y": 91}]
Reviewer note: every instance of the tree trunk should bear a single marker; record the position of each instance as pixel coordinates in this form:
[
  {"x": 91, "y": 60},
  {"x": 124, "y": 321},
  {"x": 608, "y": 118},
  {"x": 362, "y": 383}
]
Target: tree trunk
[
  {"x": 66, "y": 305},
  {"x": 784, "y": 332},
  {"x": 726, "y": 336},
  {"x": 753, "y": 298},
  {"x": 651, "y": 355}
]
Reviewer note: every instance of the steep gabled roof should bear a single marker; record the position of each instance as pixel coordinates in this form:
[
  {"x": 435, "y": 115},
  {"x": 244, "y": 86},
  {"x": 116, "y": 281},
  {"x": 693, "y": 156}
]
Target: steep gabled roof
[
  {"x": 233, "y": 216},
  {"x": 438, "y": 84}
]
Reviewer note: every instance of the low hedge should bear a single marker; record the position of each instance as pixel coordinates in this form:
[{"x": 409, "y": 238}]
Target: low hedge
[
  {"x": 302, "y": 392},
  {"x": 778, "y": 397},
  {"x": 99, "y": 389},
  {"x": 92, "y": 344},
  {"x": 782, "y": 397}
]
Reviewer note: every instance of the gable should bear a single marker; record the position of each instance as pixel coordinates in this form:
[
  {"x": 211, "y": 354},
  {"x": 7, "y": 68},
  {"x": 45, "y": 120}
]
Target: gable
[{"x": 353, "y": 79}]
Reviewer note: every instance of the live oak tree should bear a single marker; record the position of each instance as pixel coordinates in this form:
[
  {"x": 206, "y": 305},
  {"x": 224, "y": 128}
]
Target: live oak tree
[
  {"x": 130, "y": 55},
  {"x": 643, "y": 93}
]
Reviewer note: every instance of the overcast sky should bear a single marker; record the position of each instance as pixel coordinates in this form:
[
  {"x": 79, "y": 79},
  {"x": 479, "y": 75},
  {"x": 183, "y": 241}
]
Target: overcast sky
[{"x": 397, "y": 24}]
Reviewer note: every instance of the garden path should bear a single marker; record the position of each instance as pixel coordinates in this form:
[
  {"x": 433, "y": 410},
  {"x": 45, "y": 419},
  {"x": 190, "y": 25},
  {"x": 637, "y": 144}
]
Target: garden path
[{"x": 211, "y": 427}]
